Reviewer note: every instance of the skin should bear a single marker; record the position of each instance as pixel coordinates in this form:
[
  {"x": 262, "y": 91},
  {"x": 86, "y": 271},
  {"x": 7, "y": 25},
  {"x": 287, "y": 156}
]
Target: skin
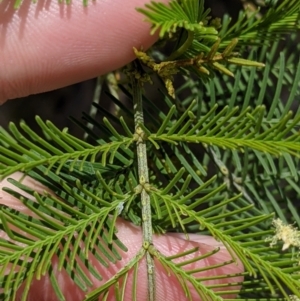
[{"x": 46, "y": 46}]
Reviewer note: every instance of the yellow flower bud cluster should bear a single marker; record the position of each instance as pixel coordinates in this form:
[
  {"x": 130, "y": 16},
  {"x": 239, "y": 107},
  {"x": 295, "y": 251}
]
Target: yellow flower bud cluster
[{"x": 288, "y": 234}]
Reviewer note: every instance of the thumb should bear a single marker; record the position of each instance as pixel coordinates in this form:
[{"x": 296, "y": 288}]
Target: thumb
[
  {"x": 49, "y": 45},
  {"x": 168, "y": 287}
]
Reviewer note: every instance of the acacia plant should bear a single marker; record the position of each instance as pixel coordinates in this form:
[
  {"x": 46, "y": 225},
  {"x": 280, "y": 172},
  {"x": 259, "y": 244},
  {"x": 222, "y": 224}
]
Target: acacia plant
[{"x": 217, "y": 154}]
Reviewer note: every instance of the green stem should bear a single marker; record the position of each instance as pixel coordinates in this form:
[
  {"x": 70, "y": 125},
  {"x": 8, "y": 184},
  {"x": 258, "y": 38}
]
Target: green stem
[
  {"x": 183, "y": 48},
  {"x": 144, "y": 182}
]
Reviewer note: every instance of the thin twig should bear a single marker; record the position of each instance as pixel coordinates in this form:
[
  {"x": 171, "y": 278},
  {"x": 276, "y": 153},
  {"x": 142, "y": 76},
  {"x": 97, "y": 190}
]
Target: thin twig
[{"x": 144, "y": 181}]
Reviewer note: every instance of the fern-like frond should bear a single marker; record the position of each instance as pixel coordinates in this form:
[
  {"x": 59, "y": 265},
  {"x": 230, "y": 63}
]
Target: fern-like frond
[
  {"x": 23, "y": 152},
  {"x": 246, "y": 130},
  {"x": 281, "y": 19},
  {"x": 251, "y": 87},
  {"x": 233, "y": 232},
  {"x": 103, "y": 291},
  {"x": 283, "y": 194},
  {"x": 182, "y": 267},
  {"x": 189, "y": 15},
  {"x": 72, "y": 231}
]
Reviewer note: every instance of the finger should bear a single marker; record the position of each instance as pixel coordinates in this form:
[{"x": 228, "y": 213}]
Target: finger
[
  {"x": 167, "y": 286},
  {"x": 48, "y": 45}
]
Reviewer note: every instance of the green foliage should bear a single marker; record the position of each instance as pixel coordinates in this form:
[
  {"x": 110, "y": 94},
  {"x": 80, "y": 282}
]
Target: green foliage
[
  {"x": 189, "y": 15},
  {"x": 221, "y": 158},
  {"x": 280, "y": 19}
]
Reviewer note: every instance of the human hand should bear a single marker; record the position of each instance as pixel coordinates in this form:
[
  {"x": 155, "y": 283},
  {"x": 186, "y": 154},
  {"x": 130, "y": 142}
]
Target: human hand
[{"x": 48, "y": 45}]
